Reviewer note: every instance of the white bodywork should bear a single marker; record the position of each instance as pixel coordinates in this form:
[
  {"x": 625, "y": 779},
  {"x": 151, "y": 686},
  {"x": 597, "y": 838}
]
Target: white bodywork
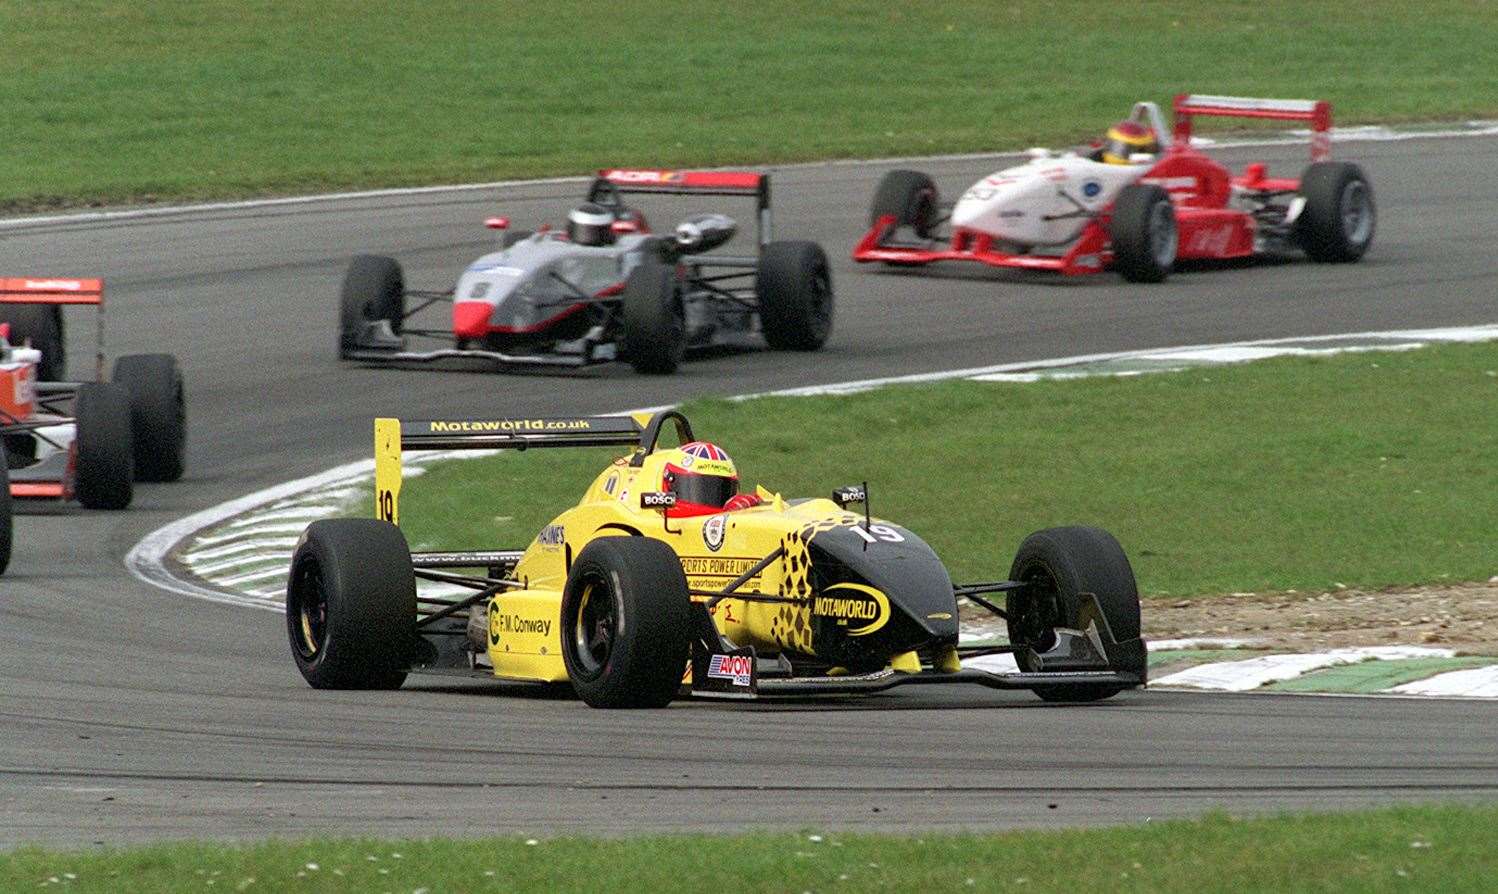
[
  {"x": 1045, "y": 202},
  {"x": 1049, "y": 199}
]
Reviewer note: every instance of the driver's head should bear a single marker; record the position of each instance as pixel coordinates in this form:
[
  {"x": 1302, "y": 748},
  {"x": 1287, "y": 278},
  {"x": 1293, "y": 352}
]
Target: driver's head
[
  {"x": 590, "y": 224},
  {"x": 702, "y": 476},
  {"x": 1125, "y": 139}
]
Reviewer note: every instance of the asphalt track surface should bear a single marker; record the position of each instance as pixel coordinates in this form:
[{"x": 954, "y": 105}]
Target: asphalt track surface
[{"x": 129, "y": 714}]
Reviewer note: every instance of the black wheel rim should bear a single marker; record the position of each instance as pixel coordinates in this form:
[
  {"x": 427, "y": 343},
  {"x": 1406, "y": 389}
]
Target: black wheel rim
[
  {"x": 922, "y": 211},
  {"x": 821, "y": 303},
  {"x": 1162, "y": 234},
  {"x": 309, "y": 613},
  {"x": 1039, "y": 611},
  {"x": 596, "y": 627},
  {"x": 1357, "y": 213}
]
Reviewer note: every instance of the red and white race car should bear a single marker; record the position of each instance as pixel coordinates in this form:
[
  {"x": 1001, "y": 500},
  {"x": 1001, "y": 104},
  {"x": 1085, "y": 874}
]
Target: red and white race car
[
  {"x": 1074, "y": 214},
  {"x": 88, "y": 441}
]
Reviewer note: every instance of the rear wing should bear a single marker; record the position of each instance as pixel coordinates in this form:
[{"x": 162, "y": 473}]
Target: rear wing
[
  {"x": 751, "y": 184},
  {"x": 394, "y": 435},
  {"x": 59, "y": 291},
  {"x": 1317, "y": 112},
  {"x": 51, "y": 291}
]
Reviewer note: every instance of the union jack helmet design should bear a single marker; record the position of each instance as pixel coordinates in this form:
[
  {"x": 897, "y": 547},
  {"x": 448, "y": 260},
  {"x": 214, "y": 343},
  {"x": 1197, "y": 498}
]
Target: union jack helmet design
[{"x": 703, "y": 477}]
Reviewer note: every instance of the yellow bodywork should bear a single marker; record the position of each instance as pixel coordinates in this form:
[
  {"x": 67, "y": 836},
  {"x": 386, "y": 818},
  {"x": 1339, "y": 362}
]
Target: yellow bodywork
[
  {"x": 525, "y": 635},
  {"x": 714, "y": 550}
]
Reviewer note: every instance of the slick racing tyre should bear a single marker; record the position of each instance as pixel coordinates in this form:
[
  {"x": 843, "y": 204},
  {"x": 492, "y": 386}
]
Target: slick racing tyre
[
  {"x": 794, "y": 287},
  {"x": 1059, "y": 564},
  {"x": 513, "y": 236},
  {"x": 158, "y": 414},
  {"x": 1336, "y": 225},
  {"x": 373, "y": 289},
  {"x": 626, "y": 623},
  {"x": 106, "y": 452},
  {"x": 1143, "y": 231},
  {"x": 655, "y": 328},
  {"x": 5, "y": 521},
  {"x": 351, "y": 604},
  {"x": 41, "y": 325},
  {"x": 911, "y": 197}
]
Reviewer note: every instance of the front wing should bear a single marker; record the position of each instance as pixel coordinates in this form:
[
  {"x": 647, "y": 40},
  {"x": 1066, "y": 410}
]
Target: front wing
[{"x": 1089, "y": 254}]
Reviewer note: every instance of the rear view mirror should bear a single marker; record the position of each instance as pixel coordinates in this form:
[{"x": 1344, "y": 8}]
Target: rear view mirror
[{"x": 704, "y": 232}]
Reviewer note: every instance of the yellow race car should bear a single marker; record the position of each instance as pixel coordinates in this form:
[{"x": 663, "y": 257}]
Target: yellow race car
[{"x": 664, "y": 580}]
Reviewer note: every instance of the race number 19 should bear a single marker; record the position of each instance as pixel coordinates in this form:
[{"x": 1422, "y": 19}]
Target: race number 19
[{"x": 876, "y": 533}]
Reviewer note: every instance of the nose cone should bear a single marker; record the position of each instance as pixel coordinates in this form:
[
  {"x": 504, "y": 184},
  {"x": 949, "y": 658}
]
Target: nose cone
[{"x": 471, "y": 318}]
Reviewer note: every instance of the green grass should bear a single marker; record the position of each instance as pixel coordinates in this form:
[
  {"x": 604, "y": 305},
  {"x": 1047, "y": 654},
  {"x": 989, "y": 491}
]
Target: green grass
[
  {"x": 1368, "y": 470},
  {"x": 1403, "y": 849},
  {"x": 107, "y": 100}
]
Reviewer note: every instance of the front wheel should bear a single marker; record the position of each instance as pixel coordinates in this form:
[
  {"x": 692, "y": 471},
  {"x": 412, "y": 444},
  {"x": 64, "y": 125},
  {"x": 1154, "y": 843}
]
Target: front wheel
[
  {"x": 158, "y": 414},
  {"x": 626, "y": 623},
  {"x": 1336, "y": 225},
  {"x": 105, "y": 471},
  {"x": 373, "y": 290},
  {"x": 1143, "y": 230},
  {"x": 794, "y": 287},
  {"x": 351, "y": 604},
  {"x": 654, "y": 327},
  {"x": 911, "y": 197},
  {"x": 1058, "y": 565}
]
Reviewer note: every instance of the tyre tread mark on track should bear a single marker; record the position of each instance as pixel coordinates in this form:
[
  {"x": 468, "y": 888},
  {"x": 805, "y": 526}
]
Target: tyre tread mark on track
[{"x": 37, "y": 773}]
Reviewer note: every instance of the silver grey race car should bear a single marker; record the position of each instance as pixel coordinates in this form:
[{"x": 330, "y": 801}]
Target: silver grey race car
[{"x": 605, "y": 288}]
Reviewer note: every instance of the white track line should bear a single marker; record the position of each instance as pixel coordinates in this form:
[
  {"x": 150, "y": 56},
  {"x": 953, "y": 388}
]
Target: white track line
[
  {"x": 1477, "y": 681},
  {"x": 147, "y": 560},
  {"x": 1358, "y": 134},
  {"x": 1251, "y": 673}
]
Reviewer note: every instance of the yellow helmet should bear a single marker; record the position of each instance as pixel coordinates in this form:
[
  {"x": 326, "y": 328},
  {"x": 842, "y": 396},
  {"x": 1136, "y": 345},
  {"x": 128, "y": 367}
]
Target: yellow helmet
[{"x": 1127, "y": 138}]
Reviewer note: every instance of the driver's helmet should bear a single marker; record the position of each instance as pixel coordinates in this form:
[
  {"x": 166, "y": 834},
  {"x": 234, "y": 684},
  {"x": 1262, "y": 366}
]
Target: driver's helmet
[
  {"x": 702, "y": 476},
  {"x": 1125, "y": 139},
  {"x": 590, "y": 224}
]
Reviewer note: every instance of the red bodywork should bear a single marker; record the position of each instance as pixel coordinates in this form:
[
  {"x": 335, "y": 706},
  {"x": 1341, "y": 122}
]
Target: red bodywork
[
  {"x": 17, "y": 415},
  {"x": 1199, "y": 189}
]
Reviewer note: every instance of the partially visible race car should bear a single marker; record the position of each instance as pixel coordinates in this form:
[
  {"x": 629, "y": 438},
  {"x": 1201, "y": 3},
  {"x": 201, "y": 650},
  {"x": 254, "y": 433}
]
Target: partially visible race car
[
  {"x": 665, "y": 567},
  {"x": 1074, "y": 214},
  {"x": 88, "y": 441},
  {"x": 547, "y": 299}
]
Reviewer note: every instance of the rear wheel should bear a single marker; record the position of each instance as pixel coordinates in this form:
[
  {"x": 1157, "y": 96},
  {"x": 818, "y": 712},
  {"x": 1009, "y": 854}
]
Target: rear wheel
[
  {"x": 655, "y": 328},
  {"x": 626, "y": 623},
  {"x": 911, "y": 197},
  {"x": 1143, "y": 230},
  {"x": 1336, "y": 225},
  {"x": 41, "y": 325},
  {"x": 158, "y": 414},
  {"x": 106, "y": 453},
  {"x": 513, "y": 236},
  {"x": 794, "y": 287},
  {"x": 351, "y": 604},
  {"x": 5, "y": 522},
  {"x": 373, "y": 290},
  {"x": 1058, "y": 565}
]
